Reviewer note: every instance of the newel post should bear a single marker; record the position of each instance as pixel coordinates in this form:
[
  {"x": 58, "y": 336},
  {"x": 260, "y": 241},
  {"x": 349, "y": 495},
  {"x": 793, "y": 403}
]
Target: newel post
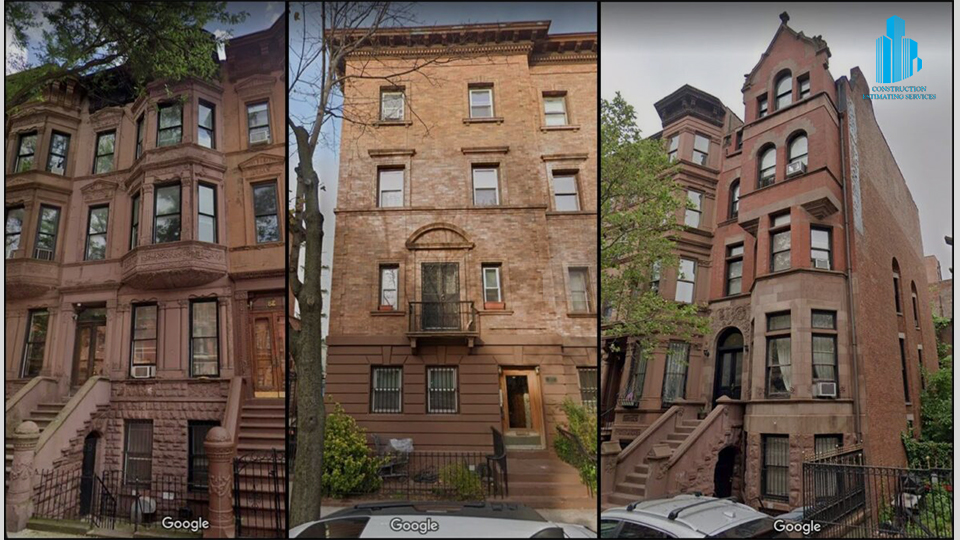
[
  {"x": 219, "y": 447},
  {"x": 18, "y": 506}
]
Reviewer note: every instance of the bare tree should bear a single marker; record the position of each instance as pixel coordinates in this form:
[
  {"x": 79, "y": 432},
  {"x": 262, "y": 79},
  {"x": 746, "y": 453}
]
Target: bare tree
[{"x": 329, "y": 33}]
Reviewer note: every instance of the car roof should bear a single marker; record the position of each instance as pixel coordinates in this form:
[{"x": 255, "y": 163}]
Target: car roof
[
  {"x": 496, "y": 510},
  {"x": 708, "y": 515},
  {"x": 457, "y": 526}
]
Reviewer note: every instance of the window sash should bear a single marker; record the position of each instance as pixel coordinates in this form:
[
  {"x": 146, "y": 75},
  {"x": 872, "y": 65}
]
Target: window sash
[
  {"x": 103, "y": 153},
  {"x": 804, "y": 87},
  {"x": 824, "y": 357},
  {"x": 206, "y": 213},
  {"x": 138, "y": 452},
  {"x": 167, "y": 217},
  {"x": 555, "y": 110},
  {"x": 57, "y": 158},
  {"x": 686, "y": 280},
  {"x": 481, "y": 107},
  {"x": 26, "y": 151},
  {"x": 826, "y": 320},
  {"x": 206, "y": 125},
  {"x": 779, "y": 367},
  {"x": 169, "y": 127},
  {"x": 258, "y": 120},
  {"x": 47, "y": 232},
  {"x": 391, "y": 106},
  {"x": 675, "y": 373},
  {"x": 143, "y": 337},
  {"x": 692, "y": 216},
  {"x": 265, "y": 212},
  {"x": 38, "y": 321},
  {"x": 638, "y": 374},
  {"x": 588, "y": 387},
  {"x": 140, "y": 133},
  {"x": 13, "y": 230},
  {"x": 762, "y": 106},
  {"x": 485, "y": 181},
  {"x": 734, "y": 276},
  {"x": 442, "y": 390},
  {"x": 389, "y": 289},
  {"x": 198, "y": 465},
  {"x": 903, "y": 365},
  {"x": 96, "y": 246},
  {"x": 135, "y": 221},
  {"x": 784, "y": 92},
  {"x": 565, "y": 195},
  {"x": 776, "y": 465},
  {"x": 386, "y": 390},
  {"x": 674, "y": 145},
  {"x": 390, "y": 188},
  {"x": 780, "y": 254},
  {"x": 735, "y": 199},
  {"x": 701, "y": 149},
  {"x": 204, "y": 338},
  {"x": 491, "y": 284},
  {"x": 579, "y": 290}
]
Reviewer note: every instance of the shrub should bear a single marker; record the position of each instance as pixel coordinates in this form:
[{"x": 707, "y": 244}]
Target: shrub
[
  {"x": 936, "y": 404},
  {"x": 583, "y": 425},
  {"x": 927, "y": 454},
  {"x": 457, "y": 480},
  {"x": 349, "y": 467}
]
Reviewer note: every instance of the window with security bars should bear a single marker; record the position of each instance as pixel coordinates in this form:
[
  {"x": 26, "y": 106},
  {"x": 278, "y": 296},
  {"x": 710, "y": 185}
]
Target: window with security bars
[
  {"x": 138, "y": 452},
  {"x": 588, "y": 387},
  {"x": 386, "y": 392},
  {"x": 638, "y": 375},
  {"x": 675, "y": 374},
  {"x": 775, "y": 464},
  {"x": 442, "y": 390},
  {"x": 198, "y": 466}
]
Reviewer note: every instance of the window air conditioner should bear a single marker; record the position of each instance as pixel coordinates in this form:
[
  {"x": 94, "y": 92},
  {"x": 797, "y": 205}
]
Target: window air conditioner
[
  {"x": 821, "y": 263},
  {"x": 259, "y": 137},
  {"x": 43, "y": 254},
  {"x": 825, "y": 389},
  {"x": 795, "y": 168},
  {"x": 143, "y": 372}
]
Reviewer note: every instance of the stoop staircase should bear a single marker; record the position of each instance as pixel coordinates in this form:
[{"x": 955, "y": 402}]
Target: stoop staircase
[
  {"x": 41, "y": 416},
  {"x": 540, "y": 479},
  {"x": 262, "y": 430}
]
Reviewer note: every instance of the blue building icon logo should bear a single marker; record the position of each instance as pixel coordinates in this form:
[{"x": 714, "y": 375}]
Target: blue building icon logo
[{"x": 895, "y": 53}]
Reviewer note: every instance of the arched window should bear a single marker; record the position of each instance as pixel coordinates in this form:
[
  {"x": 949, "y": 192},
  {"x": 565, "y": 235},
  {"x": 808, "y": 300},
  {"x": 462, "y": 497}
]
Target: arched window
[
  {"x": 797, "y": 150},
  {"x": 784, "y": 90},
  {"x": 916, "y": 304},
  {"x": 735, "y": 198},
  {"x": 768, "y": 166},
  {"x": 896, "y": 287}
]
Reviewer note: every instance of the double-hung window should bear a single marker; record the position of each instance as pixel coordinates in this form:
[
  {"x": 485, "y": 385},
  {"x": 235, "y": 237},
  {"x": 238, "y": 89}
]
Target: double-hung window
[
  {"x": 135, "y": 221},
  {"x": 141, "y": 127},
  {"x": 170, "y": 124},
  {"x": 903, "y": 370},
  {"x": 13, "y": 229},
  {"x": 143, "y": 346},
  {"x": 762, "y": 106},
  {"x": 775, "y": 481},
  {"x": 555, "y": 109},
  {"x": 579, "y": 290},
  {"x": 138, "y": 453},
  {"x": 481, "y": 102},
  {"x": 389, "y": 286},
  {"x": 701, "y": 149},
  {"x": 266, "y": 221},
  {"x": 735, "y": 199},
  {"x": 390, "y": 188},
  {"x": 780, "y": 243},
  {"x": 686, "y": 280},
  {"x": 784, "y": 89},
  {"x": 491, "y": 283},
  {"x": 486, "y": 190},
  {"x": 804, "y": 83},
  {"x": 768, "y": 167},
  {"x": 565, "y": 197},
  {"x": 26, "y": 151},
  {"x": 103, "y": 158},
  {"x": 387, "y": 390},
  {"x": 204, "y": 338},
  {"x": 57, "y": 158},
  {"x": 734, "y": 269},
  {"x": 588, "y": 387},
  {"x": 166, "y": 214},
  {"x": 824, "y": 324},
  {"x": 198, "y": 465},
  {"x": 35, "y": 343},
  {"x": 206, "y": 126},
  {"x": 820, "y": 248},
  {"x": 694, "y": 209},
  {"x": 97, "y": 219},
  {"x": 47, "y": 233},
  {"x": 673, "y": 148},
  {"x": 206, "y": 213},
  {"x": 442, "y": 390},
  {"x": 391, "y": 105},
  {"x": 779, "y": 370},
  {"x": 258, "y": 123}
]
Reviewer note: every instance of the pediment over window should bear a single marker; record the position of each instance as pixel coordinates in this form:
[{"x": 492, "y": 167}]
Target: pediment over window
[
  {"x": 262, "y": 164},
  {"x": 99, "y": 190},
  {"x": 254, "y": 85},
  {"x": 439, "y": 236}
]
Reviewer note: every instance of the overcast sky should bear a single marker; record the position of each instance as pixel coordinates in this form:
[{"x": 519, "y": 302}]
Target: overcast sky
[
  {"x": 650, "y": 50},
  {"x": 565, "y": 18}
]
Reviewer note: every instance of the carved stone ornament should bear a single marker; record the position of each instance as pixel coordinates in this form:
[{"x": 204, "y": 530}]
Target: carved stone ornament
[
  {"x": 100, "y": 190},
  {"x": 219, "y": 485},
  {"x": 20, "y": 470}
]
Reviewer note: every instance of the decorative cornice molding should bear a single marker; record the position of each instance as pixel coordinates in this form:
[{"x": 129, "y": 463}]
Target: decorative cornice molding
[{"x": 391, "y": 152}]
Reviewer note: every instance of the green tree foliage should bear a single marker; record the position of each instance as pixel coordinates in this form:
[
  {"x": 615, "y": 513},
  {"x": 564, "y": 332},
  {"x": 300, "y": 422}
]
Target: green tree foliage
[
  {"x": 939, "y": 325},
  {"x": 582, "y": 424},
  {"x": 936, "y": 404},
  {"x": 150, "y": 39},
  {"x": 349, "y": 469},
  {"x": 639, "y": 207}
]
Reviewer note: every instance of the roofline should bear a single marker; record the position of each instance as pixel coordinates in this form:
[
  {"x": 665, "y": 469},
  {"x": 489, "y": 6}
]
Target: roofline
[{"x": 401, "y": 30}]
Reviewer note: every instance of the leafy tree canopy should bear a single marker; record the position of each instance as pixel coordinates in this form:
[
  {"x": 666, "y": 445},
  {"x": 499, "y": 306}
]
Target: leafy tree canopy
[
  {"x": 639, "y": 207},
  {"x": 150, "y": 39}
]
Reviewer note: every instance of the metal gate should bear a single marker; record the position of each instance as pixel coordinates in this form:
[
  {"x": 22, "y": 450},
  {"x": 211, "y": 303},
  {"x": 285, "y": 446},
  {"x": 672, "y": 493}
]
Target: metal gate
[{"x": 260, "y": 494}]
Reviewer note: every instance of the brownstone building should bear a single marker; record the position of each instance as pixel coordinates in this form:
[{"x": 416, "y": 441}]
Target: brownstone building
[
  {"x": 464, "y": 269},
  {"x": 144, "y": 248},
  {"x": 803, "y": 247}
]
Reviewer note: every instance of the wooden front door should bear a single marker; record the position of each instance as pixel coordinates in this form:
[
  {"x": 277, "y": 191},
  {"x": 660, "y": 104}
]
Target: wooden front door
[
  {"x": 266, "y": 327},
  {"x": 89, "y": 351},
  {"x": 522, "y": 408}
]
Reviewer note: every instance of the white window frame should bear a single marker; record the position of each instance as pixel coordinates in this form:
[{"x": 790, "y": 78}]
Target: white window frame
[
  {"x": 586, "y": 292},
  {"x": 403, "y": 104},
  {"x": 562, "y": 99},
  {"x": 692, "y": 280},
  {"x": 575, "y": 193},
  {"x": 476, "y": 91},
  {"x": 499, "y": 289},
  {"x": 496, "y": 184},
  {"x": 385, "y": 268},
  {"x": 381, "y": 191}
]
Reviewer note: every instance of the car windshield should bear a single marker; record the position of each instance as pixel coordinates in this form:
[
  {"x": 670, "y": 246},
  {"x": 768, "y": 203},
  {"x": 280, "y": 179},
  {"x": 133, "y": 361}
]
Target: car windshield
[{"x": 761, "y": 528}]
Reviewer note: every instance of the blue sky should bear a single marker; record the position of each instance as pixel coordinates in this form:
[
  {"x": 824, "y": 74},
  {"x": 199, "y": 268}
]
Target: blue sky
[{"x": 565, "y": 17}]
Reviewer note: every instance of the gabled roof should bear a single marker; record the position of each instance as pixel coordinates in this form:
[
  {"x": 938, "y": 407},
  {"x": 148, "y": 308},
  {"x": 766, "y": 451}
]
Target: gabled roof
[{"x": 816, "y": 42}]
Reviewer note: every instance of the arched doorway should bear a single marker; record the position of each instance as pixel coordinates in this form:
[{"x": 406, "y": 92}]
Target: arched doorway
[
  {"x": 723, "y": 473},
  {"x": 726, "y": 379},
  {"x": 90, "y": 444}
]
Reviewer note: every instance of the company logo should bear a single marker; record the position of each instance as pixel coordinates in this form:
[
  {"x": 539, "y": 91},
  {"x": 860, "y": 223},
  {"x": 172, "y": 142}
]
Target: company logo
[{"x": 895, "y": 53}]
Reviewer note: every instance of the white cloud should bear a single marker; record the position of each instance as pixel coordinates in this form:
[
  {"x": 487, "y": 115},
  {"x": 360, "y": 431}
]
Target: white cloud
[{"x": 16, "y": 54}]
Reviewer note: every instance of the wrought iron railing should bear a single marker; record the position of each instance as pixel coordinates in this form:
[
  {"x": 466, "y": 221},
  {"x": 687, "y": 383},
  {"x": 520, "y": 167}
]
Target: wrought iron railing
[
  {"x": 454, "y": 318},
  {"x": 260, "y": 494},
  {"x": 443, "y": 476}
]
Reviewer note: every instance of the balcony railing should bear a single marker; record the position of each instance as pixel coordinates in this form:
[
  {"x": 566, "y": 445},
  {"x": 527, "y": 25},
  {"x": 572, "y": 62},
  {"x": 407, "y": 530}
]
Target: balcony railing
[{"x": 443, "y": 318}]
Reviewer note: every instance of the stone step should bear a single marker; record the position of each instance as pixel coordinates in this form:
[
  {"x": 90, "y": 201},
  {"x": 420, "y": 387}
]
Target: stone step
[
  {"x": 630, "y": 488},
  {"x": 677, "y": 437},
  {"x": 264, "y": 406},
  {"x": 257, "y": 446},
  {"x": 642, "y": 468},
  {"x": 621, "y": 499},
  {"x": 634, "y": 478},
  {"x": 263, "y": 423}
]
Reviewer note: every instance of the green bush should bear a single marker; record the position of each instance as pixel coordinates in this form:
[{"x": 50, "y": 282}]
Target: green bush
[
  {"x": 583, "y": 425},
  {"x": 927, "y": 454},
  {"x": 936, "y": 514},
  {"x": 936, "y": 404},
  {"x": 349, "y": 466},
  {"x": 457, "y": 480}
]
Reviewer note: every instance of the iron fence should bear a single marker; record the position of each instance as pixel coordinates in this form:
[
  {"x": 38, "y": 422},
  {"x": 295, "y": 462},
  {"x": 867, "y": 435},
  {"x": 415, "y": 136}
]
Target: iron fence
[
  {"x": 850, "y": 499},
  {"x": 443, "y": 476},
  {"x": 443, "y": 318},
  {"x": 260, "y": 494}
]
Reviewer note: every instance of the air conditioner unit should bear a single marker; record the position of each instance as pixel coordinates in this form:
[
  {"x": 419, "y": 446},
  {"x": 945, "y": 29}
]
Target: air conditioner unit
[
  {"x": 258, "y": 137},
  {"x": 43, "y": 254},
  {"x": 821, "y": 263},
  {"x": 143, "y": 372},
  {"x": 795, "y": 168},
  {"x": 825, "y": 389}
]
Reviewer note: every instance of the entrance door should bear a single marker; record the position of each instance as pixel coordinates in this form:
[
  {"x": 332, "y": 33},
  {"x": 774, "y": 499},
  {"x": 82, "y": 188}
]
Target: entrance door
[
  {"x": 267, "y": 339},
  {"x": 723, "y": 474},
  {"x": 440, "y": 294},
  {"x": 90, "y": 346},
  {"x": 726, "y": 380},
  {"x": 522, "y": 408},
  {"x": 89, "y": 469}
]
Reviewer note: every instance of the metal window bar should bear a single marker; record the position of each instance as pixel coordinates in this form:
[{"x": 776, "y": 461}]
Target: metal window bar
[
  {"x": 451, "y": 317},
  {"x": 775, "y": 466},
  {"x": 387, "y": 390},
  {"x": 442, "y": 390}
]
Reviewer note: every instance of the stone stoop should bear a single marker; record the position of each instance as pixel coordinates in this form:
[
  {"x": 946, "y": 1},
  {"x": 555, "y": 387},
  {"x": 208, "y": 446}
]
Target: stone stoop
[
  {"x": 74, "y": 451},
  {"x": 41, "y": 416},
  {"x": 634, "y": 487},
  {"x": 540, "y": 479},
  {"x": 262, "y": 428}
]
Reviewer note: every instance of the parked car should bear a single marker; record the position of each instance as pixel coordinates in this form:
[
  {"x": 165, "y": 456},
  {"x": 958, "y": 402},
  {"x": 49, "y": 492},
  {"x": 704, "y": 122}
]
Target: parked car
[
  {"x": 439, "y": 520},
  {"x": 688, "y": 516}
]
